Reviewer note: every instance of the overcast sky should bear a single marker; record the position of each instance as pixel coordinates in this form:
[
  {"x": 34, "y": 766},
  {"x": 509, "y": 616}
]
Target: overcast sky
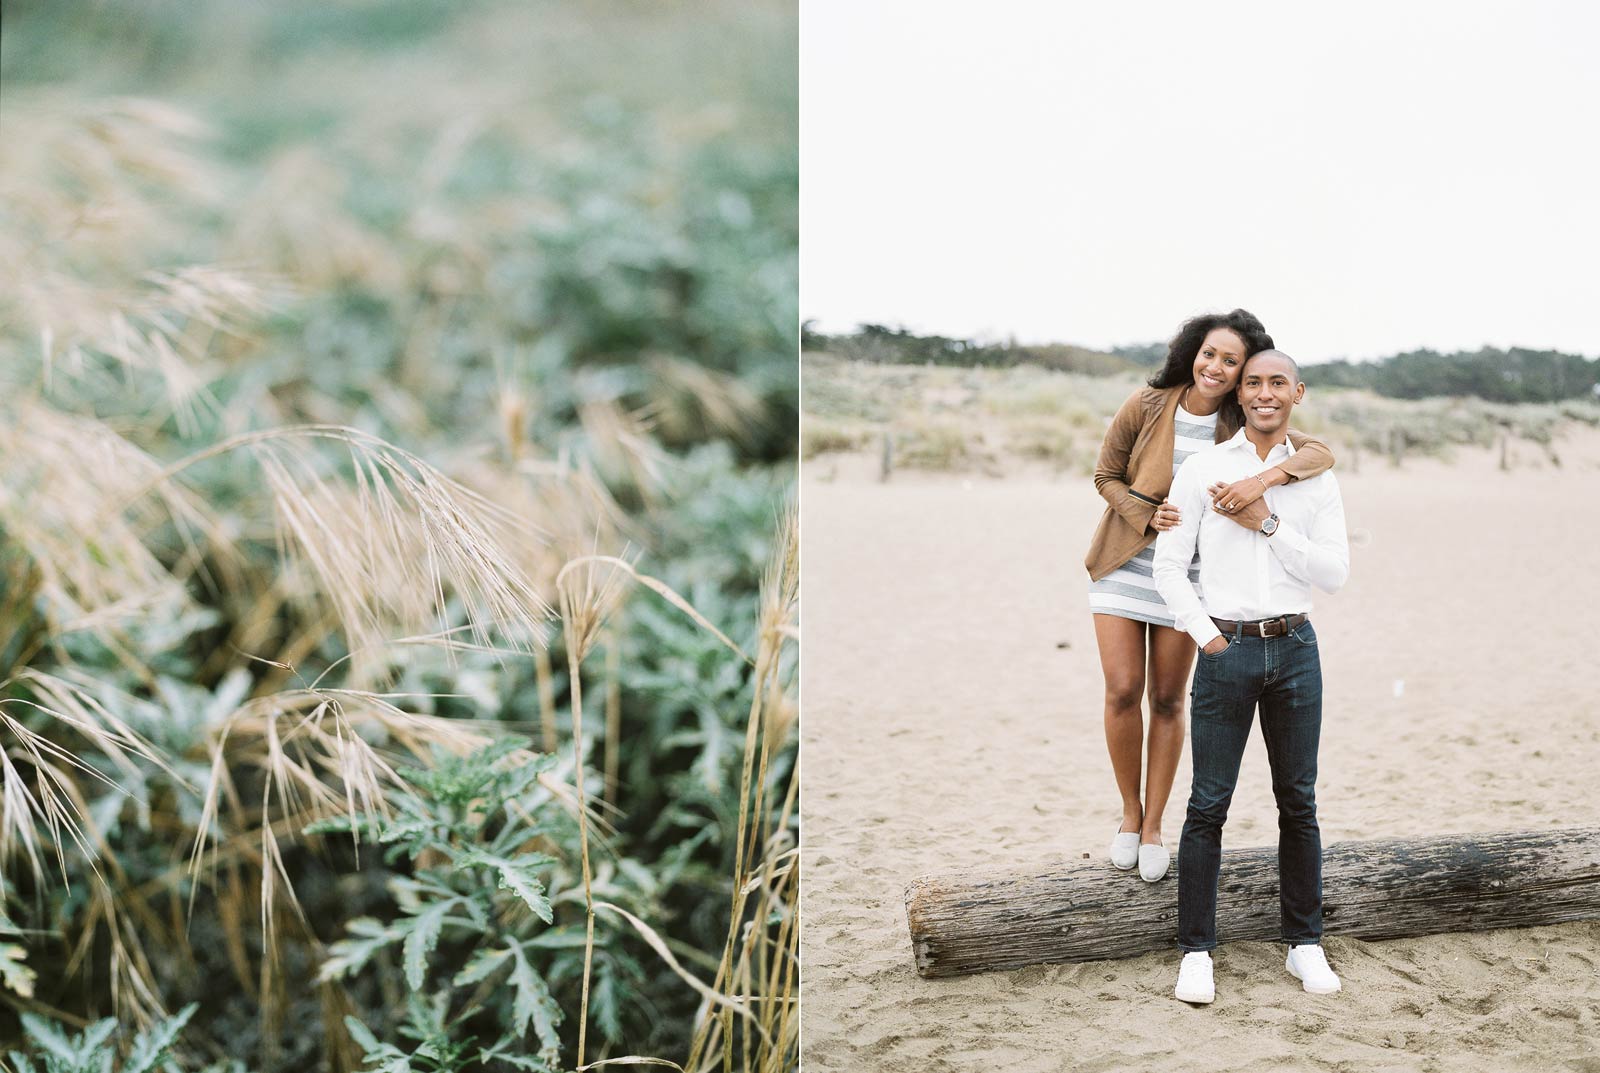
[{"x": 1366, "y": 178}]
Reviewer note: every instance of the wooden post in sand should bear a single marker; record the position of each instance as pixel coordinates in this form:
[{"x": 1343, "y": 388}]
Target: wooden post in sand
[
  {"x": 886, "y": 462},
  {"x": 1382, "y": 889}
]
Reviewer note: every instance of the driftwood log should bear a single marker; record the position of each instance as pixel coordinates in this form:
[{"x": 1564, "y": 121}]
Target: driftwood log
[{"x": 1382, "y": 889}]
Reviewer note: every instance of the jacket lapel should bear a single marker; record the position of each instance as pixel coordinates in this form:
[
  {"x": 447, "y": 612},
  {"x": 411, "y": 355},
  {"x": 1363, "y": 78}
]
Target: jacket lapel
[{"x": 1152, "y": 464}]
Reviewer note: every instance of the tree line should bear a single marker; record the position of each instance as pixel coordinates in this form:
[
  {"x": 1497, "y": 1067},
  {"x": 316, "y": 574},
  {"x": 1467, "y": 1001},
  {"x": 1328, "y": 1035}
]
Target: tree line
[
  {"x": 1515, "y": 375},
  {"x": 897, "y": 346}
]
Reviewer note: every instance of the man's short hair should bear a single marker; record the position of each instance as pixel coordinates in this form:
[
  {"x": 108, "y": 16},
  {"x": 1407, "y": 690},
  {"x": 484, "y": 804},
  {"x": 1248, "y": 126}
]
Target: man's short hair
[{"x": 1293, "y": 365}]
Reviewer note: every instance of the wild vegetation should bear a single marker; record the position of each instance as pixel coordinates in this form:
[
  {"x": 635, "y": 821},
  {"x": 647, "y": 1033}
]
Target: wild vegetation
[
  {"x": 399, "y": 601},
  {"x": 1508, "y": 376},
  {"x": 1516, "y": 375},
  {"x": 989, "y": 420},
  {"x": 885, "y": 345}
]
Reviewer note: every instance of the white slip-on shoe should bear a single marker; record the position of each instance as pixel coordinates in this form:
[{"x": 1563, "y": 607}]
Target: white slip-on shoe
[
  {"x": 1125, "y": 849},
  {"x": 1310, "y": 966},
  {"x": 1194, "y": 979},
  {"x": 1153, "y": 862}
]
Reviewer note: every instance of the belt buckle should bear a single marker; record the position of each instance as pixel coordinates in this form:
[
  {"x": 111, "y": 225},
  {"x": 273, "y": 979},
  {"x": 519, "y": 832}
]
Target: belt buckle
[{"x": 1281, "y": 623}]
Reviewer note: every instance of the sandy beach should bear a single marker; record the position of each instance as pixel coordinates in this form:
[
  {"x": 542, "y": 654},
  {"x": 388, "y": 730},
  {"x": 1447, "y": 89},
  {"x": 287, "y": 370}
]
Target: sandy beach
[{"x": 952, "y": 720}]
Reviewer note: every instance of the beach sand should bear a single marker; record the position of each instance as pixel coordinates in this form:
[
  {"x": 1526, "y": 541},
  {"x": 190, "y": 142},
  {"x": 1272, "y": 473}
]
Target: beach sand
[{"x": 951, "y": 694}]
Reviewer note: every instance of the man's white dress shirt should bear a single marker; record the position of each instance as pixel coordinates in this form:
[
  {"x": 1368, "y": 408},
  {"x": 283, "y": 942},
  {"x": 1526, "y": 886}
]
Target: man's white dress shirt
[{"x": 1244, "y": 575}]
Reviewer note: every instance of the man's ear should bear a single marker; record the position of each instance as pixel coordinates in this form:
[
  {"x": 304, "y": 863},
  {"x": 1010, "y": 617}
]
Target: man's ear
[{"x": 1299, "y": 392}]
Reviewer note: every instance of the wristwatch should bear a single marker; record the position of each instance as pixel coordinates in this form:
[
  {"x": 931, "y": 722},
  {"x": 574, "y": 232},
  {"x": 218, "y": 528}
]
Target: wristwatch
[{"x": 1269, "y": 525}]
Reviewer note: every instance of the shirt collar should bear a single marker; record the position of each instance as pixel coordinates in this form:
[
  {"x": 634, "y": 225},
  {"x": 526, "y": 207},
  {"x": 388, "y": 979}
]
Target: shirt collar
[{"x": 1241, "y": 440}]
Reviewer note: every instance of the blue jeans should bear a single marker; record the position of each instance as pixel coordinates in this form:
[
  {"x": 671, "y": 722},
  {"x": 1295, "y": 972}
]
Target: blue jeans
[{"x": 1283, "y": 676}]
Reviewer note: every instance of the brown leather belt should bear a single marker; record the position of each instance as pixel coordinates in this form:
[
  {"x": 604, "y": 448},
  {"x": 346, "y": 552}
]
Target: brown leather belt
[{"x": 1267, "y": 627}]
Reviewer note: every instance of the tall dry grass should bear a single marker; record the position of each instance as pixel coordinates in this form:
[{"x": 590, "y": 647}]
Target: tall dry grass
[
  {"x": 749, "y": 1014},
  {"x": 214, "y": 580},
  {"x": 980, "y": 419}
]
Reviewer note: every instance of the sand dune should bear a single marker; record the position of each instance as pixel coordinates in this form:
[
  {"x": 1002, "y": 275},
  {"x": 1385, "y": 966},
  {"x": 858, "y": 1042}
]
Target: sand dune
[{"x": 951, "y": 696}]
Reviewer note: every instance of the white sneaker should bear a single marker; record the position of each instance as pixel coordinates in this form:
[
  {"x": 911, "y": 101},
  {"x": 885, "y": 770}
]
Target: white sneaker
[
  {"x": 1125, "y": 849},
  {"x": 1153, "y": 862},
  {"x": 1194, "y": 979},
  {"x": 1308, "y": 965}
]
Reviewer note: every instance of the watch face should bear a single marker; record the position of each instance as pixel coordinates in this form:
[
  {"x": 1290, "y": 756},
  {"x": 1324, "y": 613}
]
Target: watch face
[{"x": 1269, "y": 524}]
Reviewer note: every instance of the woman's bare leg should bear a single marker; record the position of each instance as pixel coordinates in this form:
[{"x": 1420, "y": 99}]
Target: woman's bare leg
[
  {"x": 1171, "y": 655},
  {"x": 1122, "y": 657}
]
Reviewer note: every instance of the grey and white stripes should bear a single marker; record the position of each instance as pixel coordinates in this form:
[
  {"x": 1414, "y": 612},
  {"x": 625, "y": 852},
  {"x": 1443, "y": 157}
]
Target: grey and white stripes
[{"x": 1129, "y": 591}]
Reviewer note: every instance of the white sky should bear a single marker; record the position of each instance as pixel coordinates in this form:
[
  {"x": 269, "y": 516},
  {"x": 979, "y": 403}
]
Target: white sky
[{"x": 1365, "y": 177}]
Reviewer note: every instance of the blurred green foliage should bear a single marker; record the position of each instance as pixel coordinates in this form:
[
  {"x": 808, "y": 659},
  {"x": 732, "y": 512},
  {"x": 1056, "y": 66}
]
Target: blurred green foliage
[{"x": 518, "y": 240}]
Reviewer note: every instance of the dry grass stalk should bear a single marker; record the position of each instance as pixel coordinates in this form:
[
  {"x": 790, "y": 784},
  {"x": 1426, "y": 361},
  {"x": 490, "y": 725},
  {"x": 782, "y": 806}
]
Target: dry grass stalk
[
  {"x": 63, "y": 491},
  {"x": 70, "y": 700},
  {"x": 385, "y": 551},
  {"x": 579, "y": 512},
  {"x": 56, "y": 802},
  {"x": 690, "y": 399},
  {"x": 316, "y": 765},
  {"x": 775, "y": 885},
  {"x": 632, "y": 1060},
  {"x": 622, "y": 446},
  {"x": 89, "y": 188},
  {"x": 60, "y": 806},
  {"x": 513, "y": 410},
  {"x": 90, "y": 182},
  {"x": 589, "y": 596},
  {"x": 320, "y": 745},
  {"x": 581, "y": 509},
  {"x": 544, "y": 677},
  {"x": 164, "y": 326},
  {"x": 660, "y": 588},
  {"x": 134, "y": 991},
  {"x": 295, "y": 222},
  {"x": 388, "y": 548},
  {"x": 711, "y": 996},
  {"x": 613, "y": 743},
  {"x": 586, "y": 602}
]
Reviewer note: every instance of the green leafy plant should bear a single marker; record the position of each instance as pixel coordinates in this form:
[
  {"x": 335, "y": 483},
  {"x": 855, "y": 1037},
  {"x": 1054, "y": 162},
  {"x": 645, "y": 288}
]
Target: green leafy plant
[
  {"x": 307, "y": 403},
  {"x": 476, "y": 929},
  {"x": 93, "y": 1050}
]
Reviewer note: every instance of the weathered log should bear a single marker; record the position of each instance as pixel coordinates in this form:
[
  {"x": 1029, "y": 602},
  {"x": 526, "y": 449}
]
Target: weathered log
[{"x": 1381, "y": 889}]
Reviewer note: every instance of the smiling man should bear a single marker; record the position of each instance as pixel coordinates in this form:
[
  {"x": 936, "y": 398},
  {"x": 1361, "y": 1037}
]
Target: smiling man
[{"x": 1258, "y": 563}]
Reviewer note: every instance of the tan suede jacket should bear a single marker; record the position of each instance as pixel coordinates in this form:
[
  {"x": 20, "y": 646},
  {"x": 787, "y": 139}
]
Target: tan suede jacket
[{"x": 1134, "y": 473}]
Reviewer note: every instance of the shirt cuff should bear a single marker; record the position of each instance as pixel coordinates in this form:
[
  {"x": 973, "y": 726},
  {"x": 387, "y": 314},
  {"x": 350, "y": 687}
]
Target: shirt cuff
[
  {"x": 1288, "y": 540},
  {"x": 1203, "y": 631}
]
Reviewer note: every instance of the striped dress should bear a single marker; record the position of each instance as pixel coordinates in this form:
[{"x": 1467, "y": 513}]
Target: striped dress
[{"x": 1129, "y": 591}]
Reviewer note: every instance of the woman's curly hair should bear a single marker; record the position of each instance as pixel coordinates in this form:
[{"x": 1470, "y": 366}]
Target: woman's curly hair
[{"x": 1185, "y": 346}]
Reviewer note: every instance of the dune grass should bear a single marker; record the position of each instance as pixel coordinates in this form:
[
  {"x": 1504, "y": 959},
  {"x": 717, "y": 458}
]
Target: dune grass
[
  {"x": 984, "y": 420},
  {"x": 345, "y": 441}
]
